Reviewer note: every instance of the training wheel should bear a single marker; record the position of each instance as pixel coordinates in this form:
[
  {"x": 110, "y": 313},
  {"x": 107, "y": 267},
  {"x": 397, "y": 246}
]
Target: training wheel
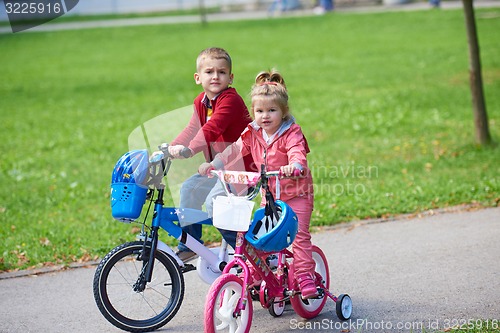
[{"x": 344, "y": 307}]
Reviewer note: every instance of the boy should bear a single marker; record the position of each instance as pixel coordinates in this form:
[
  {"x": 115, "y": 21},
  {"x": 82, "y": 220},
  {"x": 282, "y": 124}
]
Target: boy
[{"x": 219, "y": 117}]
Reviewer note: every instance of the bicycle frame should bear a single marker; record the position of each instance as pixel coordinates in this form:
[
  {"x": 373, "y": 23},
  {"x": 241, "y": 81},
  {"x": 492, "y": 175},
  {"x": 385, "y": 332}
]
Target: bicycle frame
[
  {"x": 278, "y": 285},
  {"x": 125, "y": 290},
  {"x": 274, "y": 282}
]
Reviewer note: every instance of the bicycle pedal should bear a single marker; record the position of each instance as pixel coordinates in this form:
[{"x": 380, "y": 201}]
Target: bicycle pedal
[
  {"x": 188, "y": 268},
  {"x": 321, "y": 293}
]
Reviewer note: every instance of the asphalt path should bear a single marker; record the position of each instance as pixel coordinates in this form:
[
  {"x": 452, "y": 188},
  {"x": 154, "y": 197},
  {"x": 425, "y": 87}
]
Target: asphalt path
[{"x": 411, "y": 274}]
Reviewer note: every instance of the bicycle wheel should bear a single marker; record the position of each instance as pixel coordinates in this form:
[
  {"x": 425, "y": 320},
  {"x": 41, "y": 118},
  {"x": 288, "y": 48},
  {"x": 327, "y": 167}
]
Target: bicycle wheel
[
  {"x": 310, "y": 308},
  {"x": 222, "y": 299},
  {"x": 277, "y": 307},
  {"x": 344, "y": 307},
  {"x": 123, "y": 298}
]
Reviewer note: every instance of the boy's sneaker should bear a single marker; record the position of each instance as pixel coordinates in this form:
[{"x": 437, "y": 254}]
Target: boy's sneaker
[{"x": 186, "y": 256}]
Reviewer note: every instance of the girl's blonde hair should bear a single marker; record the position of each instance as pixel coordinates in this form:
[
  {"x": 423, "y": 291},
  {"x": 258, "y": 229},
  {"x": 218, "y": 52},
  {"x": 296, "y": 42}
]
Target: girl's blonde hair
[{"x": 271, "y": 84}]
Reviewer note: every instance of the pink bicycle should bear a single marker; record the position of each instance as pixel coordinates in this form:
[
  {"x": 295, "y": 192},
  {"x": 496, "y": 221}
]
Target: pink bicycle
[{"x": 262, "y": 248}]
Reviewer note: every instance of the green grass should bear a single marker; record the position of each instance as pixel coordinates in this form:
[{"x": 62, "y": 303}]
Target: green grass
[{"x": 383, "y": 100}]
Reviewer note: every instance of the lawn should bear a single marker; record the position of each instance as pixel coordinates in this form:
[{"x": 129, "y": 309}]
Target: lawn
[{"x": 383, "y": 99}]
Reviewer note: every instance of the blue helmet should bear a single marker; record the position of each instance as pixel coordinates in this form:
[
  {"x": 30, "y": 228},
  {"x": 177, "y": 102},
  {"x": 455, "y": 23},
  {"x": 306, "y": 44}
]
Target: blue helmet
[
  {"x": 270, "y": 235},
  {"x": 132, "y": 167}
]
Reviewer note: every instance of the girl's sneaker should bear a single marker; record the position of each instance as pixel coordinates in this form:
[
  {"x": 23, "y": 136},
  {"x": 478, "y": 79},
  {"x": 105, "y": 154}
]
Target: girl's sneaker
[{"x": 307, "y": 286}]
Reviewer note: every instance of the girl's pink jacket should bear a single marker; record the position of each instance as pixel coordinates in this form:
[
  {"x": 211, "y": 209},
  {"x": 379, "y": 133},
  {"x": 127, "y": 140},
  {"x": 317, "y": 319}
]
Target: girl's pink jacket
[{"x": 288, "y": 147}]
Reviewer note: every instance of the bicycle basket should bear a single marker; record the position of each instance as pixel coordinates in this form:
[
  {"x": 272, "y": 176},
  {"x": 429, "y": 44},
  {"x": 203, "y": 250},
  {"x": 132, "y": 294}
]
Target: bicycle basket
[
  {"x": 128, "y": 195},
  {"x": 270, "y": 235},
  {"x": 232, "y": 213}
]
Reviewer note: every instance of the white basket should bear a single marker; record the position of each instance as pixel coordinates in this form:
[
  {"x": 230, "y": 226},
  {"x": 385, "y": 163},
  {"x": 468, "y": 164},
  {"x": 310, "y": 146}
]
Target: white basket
[{"x": 232, "y": 213}]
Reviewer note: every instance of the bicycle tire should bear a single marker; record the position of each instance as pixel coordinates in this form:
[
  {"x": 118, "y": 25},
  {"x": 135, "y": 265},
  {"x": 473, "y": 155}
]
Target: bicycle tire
[
  {"x": 311, "y": 308},
  {"x": 224, "y": 295},
  {"x": 131, "y": 310}
]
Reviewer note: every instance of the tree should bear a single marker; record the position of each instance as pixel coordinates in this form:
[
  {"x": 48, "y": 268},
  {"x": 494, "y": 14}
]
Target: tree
[{"x": 483, "y": 136}]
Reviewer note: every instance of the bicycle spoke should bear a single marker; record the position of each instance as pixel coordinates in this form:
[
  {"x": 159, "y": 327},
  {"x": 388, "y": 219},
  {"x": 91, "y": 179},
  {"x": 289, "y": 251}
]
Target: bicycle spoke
[
  {"x": 148, "y": 304},
  {"x": 233, "y": 327},
  {"x": 116, "y": 285},
  {"x": 222, "y": 325}
]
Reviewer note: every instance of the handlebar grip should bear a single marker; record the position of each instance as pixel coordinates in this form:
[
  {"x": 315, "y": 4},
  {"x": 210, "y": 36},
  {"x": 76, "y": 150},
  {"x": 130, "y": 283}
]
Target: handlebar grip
[
  {"x": 211, "y": 172},
  {"x": 186, "y": 152}
]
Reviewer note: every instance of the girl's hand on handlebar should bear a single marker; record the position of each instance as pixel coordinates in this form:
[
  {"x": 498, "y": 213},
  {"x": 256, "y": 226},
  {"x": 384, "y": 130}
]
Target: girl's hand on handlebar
[
  {"x": 290, "y": 171},
  {"x": 287, "y": 170},
  {"x": 205, "y": 168}
]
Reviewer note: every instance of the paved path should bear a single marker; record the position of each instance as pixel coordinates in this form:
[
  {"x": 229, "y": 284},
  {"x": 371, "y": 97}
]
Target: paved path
[
  {"x": 236, "y": 16},
  {"x": 414, "y": 273}
]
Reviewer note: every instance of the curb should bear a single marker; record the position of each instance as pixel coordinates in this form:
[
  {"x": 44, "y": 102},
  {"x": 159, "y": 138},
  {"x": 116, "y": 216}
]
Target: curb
[
  {"x": 46, "y": 270},
  {"x": 402, "y": 217},
  {"x": 314, "y": 229}
]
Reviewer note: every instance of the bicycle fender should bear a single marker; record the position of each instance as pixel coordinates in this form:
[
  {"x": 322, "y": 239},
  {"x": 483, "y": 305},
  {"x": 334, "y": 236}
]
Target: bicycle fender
[{"x": 168, "y": 250}]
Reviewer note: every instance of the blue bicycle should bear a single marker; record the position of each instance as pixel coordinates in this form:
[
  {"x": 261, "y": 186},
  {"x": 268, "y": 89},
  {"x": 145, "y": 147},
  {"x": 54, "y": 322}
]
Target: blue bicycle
[{"x": 139, "y": 286}]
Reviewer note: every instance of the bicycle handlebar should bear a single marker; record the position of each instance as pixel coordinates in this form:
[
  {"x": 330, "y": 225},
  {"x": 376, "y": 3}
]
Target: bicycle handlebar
[
  {"x": 253, "y": 179},
  {"x": 163, "y": 153}
]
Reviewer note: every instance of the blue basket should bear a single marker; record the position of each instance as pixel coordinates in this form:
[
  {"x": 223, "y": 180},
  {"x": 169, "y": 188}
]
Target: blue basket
[{"x": 127, "y": 200}]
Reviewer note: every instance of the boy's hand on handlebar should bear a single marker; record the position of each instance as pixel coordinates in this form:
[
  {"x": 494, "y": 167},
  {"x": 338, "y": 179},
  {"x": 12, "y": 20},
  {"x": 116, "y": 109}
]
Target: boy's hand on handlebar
[
  {"x": 179, "y": 151},
  {"x": 175, "y": 151},
  {"x": 205, "y": 168}
]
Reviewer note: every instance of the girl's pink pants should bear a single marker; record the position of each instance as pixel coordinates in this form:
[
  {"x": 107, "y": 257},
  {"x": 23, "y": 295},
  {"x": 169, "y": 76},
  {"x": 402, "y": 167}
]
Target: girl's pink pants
[{"x": 302, "y": 246}]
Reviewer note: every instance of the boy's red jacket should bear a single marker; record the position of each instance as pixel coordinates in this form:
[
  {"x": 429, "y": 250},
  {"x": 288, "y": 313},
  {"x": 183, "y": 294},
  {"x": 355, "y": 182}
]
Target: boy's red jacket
[{"x": 229, "y": 118}]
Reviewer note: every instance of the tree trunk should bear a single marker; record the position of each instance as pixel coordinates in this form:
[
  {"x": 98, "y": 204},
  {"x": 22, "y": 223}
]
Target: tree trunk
[{"x": 476, "y": 82}]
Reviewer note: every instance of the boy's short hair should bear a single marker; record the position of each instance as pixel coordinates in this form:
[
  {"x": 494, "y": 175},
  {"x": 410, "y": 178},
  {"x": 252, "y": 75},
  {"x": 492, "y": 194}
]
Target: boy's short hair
[{"x": 215, "y": 53}]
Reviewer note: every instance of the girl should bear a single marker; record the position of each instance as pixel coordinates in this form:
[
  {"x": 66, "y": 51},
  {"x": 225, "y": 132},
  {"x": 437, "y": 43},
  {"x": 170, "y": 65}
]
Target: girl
[{"x": 274, "y": 139}]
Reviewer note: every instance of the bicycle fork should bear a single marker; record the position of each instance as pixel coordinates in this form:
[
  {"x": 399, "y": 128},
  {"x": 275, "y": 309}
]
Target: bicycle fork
[{"x": 148, "y": 261}]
